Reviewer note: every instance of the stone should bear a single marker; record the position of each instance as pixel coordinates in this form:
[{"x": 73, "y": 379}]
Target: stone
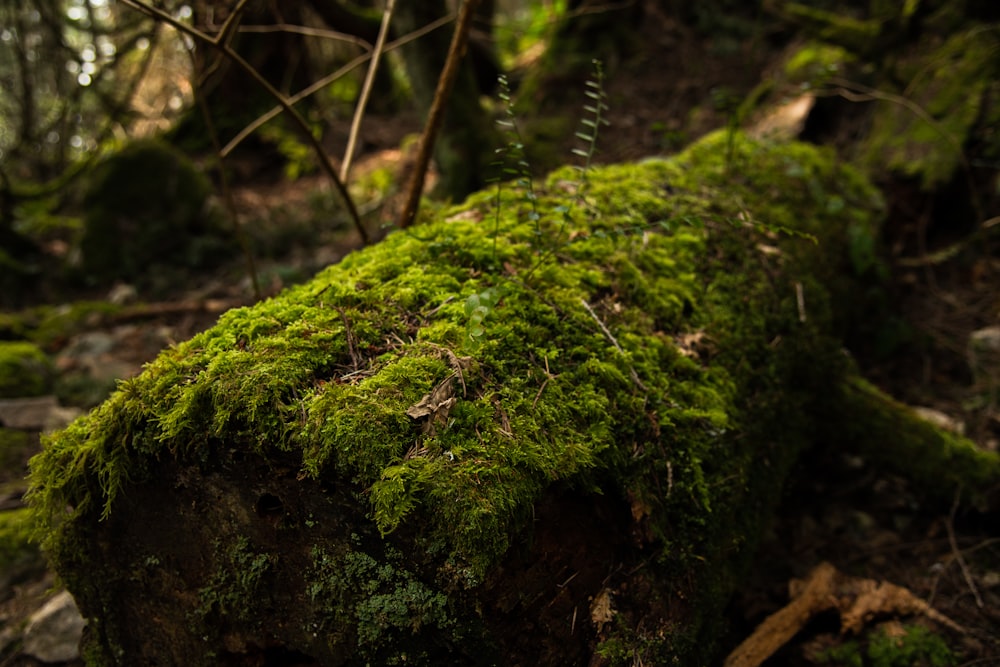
[{"x": 54, "y": 631}]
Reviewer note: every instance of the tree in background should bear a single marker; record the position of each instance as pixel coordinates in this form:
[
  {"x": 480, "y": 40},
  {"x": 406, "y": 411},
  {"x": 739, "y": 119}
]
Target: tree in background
[{"x": 69, "y": 72}]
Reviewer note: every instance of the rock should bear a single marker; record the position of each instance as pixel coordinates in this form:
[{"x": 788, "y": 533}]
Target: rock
[
  {"x": 54, "y": 631},
  {"x": 984, "y": 353},
  {"x": 29, "y": 414},
  {"x": 940, "y": 419},
  {"x": 122, "y": 294}
]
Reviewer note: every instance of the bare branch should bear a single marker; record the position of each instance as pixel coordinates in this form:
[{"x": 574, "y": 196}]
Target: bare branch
[
  {"x": 236, "y": 58},
  {"x": 436, "y": 114},
  {"x": 330, "y": 78},
  {"x": 359, "y": 111}
]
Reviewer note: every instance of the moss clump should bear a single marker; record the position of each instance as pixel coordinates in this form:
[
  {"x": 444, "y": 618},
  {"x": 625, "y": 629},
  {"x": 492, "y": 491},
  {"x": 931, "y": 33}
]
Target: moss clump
[
  {"x": 856, "y": 35},
  {"x": 147, "y": 205},
  {"x": 15, "y": 449},
  {"x": 915, "y": 646},
  {"x": 449, "y": 416},
  {"x": 16, "y": 543},
  {"x": 892, "y": 645},
  {"x": 25, "y": 370},
  {"x": 922, "y": 133},
  {"x": 815, "y": 63}
]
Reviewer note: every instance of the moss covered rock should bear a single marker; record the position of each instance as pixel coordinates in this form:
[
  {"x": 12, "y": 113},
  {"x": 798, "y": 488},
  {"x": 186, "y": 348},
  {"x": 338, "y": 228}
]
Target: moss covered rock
[
  {"x": 146, "y": 206},
  {"x": 25, "y": 370},
  {"x": 545, "y": 429}
]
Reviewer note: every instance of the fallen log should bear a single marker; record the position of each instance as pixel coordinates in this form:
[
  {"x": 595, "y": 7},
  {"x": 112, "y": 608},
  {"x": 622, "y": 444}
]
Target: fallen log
[{"x": 546, "y": 430}]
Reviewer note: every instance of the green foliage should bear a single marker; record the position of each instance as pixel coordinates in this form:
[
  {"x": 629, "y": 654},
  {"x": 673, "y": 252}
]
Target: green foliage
[
  {"x": 512, "y": 161},
  {"x": 526, "y": 28},
  {"x": 477, "y": 308},
  {"x": 44, "y": 325},
  {"x": 922, "y": 132},
  {"x": 846, "y": 654},
  {"x": 814, "y": 64},
  {"x": 592, "y": 123},
  {"x": 299, "y": 157},
  {"x": 16, "y": 536},
  {"x": 25, "y": 370},
  {"x": 916, "y": 646}
]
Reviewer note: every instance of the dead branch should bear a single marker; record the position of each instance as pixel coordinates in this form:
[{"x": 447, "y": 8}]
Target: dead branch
[{"x": 436, "y": 115}]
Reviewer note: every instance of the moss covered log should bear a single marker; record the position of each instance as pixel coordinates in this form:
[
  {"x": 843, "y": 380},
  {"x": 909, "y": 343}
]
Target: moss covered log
[{"x": 542, "y": 430}]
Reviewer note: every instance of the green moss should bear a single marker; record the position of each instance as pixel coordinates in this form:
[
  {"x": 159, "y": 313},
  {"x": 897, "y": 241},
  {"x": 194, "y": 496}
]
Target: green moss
[
  {"x": 922, "y": 131},
  {"x": 815, "y": 63},
  {"x": 573, "y": 379},
  {"x": 377, "y": 603},
  {"x": 25, "y": 370},
  {"x": 900, "y": 646},
  {"x": 918, "y": 647},
  {"x": 857, "y": 35},
  {"x": 235, "y": 582},
  {"x": 45, "y": 325},
  {"x": 16, "y": 541}
]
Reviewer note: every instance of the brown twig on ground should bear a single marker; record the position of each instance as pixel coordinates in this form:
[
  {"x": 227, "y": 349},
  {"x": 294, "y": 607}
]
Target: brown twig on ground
[
  {"x": 330, "y": 78},
  {"x": 856, "y": 600},
  {"x": 436, "y": 114},
  {"x": 220, "y": 43}
]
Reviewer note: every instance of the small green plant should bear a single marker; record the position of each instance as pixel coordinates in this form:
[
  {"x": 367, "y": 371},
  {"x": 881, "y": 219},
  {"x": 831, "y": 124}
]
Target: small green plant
[
  {"x": 477, "y": 308},
  {"x": 917, "y": 647},
  {"x": 592, "y": 123},
  {"x": 512, "y": 162}
]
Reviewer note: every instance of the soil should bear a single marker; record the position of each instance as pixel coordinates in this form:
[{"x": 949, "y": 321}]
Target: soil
[{"x": 865, "y": 522}]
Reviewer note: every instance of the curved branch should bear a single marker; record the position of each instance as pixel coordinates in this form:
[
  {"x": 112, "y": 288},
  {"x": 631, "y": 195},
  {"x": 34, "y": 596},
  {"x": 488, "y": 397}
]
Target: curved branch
[
  {"x": 221, "y": 45},
  {"x": 436, "y": 114}
]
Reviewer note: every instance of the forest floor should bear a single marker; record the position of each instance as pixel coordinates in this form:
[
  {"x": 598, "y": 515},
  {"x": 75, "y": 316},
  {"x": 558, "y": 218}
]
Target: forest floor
[{"x": 865, "y": 522}]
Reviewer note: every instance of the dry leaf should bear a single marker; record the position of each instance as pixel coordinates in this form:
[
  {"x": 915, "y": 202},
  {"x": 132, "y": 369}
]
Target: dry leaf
[{"x": 601, "y": 611}]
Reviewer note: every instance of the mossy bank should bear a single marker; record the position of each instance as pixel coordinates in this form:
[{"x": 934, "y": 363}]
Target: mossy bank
[{"x": 538, "y": 430}]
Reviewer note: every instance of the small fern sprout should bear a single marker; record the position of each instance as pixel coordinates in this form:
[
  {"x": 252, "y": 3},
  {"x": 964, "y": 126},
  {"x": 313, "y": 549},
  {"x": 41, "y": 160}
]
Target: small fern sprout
[
  {"x": 512, "y": 161},
  {"x": 591, "y": 123}
]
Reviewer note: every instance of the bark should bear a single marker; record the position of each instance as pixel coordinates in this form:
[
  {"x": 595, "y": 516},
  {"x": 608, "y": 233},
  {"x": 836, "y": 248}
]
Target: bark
[{"x": 542, "y": 440}]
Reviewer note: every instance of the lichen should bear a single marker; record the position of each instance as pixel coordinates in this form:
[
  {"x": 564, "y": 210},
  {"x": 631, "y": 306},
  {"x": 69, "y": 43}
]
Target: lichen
[{"x": 576, "y": 377}]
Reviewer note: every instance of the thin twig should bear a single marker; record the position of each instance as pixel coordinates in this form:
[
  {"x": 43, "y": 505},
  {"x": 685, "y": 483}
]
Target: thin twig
[
  {"x": 436, "y": 114},
  {"x": 227, "y": 192},
  {"x": 950, "y": 525},
  {"x": 293, "y": 29},
  {"x": 366, "y": 89},
  {"x": 607, "y": 333},
  {"x": 236, "y": 58},
  {"x": 330, "y": 78},
  {"x": 350, "y": 339}
]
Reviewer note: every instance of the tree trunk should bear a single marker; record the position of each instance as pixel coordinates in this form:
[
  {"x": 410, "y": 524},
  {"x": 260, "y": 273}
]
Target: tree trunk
[{"x": 491, "y": 440}]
